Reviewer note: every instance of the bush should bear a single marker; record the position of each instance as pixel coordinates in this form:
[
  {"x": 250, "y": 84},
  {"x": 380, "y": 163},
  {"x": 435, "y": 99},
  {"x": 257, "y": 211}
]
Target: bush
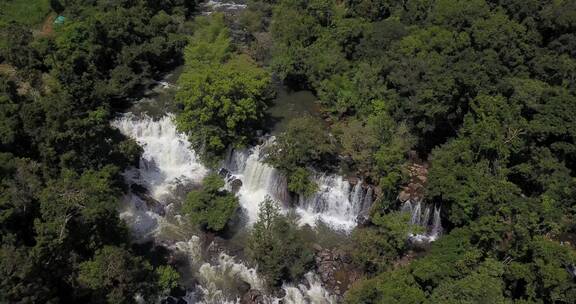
[
  {"x": 223, "y": 94},
  {"x": 276, "y": 246},
  {"x": 300, "y": 182},
  {"x": 211, "y": 208}
]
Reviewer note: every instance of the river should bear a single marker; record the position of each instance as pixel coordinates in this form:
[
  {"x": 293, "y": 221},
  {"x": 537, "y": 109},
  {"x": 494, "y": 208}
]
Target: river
[{"x": 212, "y": 267}]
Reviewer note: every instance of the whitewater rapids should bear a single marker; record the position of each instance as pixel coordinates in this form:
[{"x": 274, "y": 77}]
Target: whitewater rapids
[{"x": 168, "y": 163}]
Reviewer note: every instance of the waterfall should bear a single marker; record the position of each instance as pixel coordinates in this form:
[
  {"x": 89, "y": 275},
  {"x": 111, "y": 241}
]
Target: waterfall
[
  {"x": 422, "y": 218},
  {"x": 259, "y": 179},
  {"x": 367, "y": 203},
  {"x": 221, "y": 6},
  {"x": 311, "y": 292},
  {"x": 218, "y": 280},
  {"x": 336, "y": 204},
  {"x": 167, "y": 161},
  {"x": 142, "y": 222}
]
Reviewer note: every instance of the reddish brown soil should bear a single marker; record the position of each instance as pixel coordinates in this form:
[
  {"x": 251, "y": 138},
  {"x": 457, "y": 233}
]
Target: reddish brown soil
[{"x": 48, "y": 26}]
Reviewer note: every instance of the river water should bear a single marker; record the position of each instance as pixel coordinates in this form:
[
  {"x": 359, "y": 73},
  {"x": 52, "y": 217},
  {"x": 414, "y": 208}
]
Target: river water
[
  {"x": 167, "y": 170},
  {"x": 212, "y": 268}
]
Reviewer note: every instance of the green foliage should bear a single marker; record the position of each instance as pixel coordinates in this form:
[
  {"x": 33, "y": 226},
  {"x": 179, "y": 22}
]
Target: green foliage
[
  {"x": 485, "y": 91},
  {"x": 168, "y": 277},
  {"x": 301, "y": 182},
  {"x": 211, "y": 207},
  {"x": 223, "y": 94},
  {"x": 396, "y": 287},
  {"x": 485, "y": 285},
  {"x": 60, "y": 160},
  {"x": 277, "y": 247},
  {"x": 376, "y": 247},
  {"x": 305, "y": 142},
  {"x": 115, "y": 276},
  {"x": 23, "y": 12},
  {"x": 80, "y": 211}
]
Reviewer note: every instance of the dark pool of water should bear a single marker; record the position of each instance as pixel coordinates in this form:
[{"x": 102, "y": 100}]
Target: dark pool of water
[
  {"x": 158, "y": 99},
  {"x": 290, "y": 104}
]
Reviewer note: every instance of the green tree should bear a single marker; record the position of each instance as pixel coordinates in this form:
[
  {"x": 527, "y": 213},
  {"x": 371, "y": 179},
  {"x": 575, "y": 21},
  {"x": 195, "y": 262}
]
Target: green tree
[
  {"x": 301, "y": 182},
  {"x": 485, "y": 285},
  {"x": 305, "y": 142},
  {"x": 168, "y": 277},
  {"x": 223, "y": 94},
  {"x": 116, "y": 276},
  {"x": 60, "y": 160},
  {"x": 397, "y": 287},
  {"x": 374, "y": 248},
  {"x": 211, "y": 207},
  {"x": 277, "y": 247}
]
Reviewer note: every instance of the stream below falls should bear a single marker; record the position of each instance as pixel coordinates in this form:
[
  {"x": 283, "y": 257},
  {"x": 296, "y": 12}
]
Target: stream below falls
[
  {"x": 211, "y": 267},
  {"x": 169, "y": 168}
]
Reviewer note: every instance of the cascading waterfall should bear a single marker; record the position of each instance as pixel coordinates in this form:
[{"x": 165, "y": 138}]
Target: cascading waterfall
[
  {"x": 337, "y": 203},
  {"x": 259, "y": 179},
  {"x": 421, "y": 217},
  {"x": 218, "y": 280},
  {"x": 222, "y": 6},
  {"x": 167, "y": 170},
  {"x": 142, "y": 221},
  {"x": 167, "y": 161},
  {"x": 313, "y": 292}
]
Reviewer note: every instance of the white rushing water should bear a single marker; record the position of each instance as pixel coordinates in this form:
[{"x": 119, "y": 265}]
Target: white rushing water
[
  {"x": 167, "y": 163},
  {"x": 212, "y": 6},
  {"x": 337, "y": 203},
  {"x": 218, "y": 280},
  {"x": 259, "y": 180},
  {"x": 422, "y": 215}
]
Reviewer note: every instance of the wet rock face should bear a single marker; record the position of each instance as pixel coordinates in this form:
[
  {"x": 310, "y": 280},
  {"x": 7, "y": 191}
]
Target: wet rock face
[
  {"x": 151, "y": 203},
  {"x": 253, "y": 296},
  {"x": 335, "y": 269},
  {"x": 234, "y": 183},
  {"x": 173, "y": 300},
  {"x": 571, "y": 271},
  {"x": 414, "y": 191}
]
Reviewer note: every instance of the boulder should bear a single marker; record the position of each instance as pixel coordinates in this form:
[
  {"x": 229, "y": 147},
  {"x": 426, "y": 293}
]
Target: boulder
[
  {"x": 403, "y": 196},
  {"x": 236, "y": 184},
  {"x": 253, "y": 296}
]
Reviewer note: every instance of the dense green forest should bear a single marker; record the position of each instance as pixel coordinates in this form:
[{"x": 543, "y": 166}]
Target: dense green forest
[
  {"x": 482, "y": 91},
  {"x": 59, "y": 157}
]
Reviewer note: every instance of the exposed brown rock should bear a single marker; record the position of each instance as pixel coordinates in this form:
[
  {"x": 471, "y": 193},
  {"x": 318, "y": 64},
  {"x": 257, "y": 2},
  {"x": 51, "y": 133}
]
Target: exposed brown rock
[
  {"x": 335, "y": 270},
  {"x": 403, "y": 196},
  {"x": 418, "y": 173}
]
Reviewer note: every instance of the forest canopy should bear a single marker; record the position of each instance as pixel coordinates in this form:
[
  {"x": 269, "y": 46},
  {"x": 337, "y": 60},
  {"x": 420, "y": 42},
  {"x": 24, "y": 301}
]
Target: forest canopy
[
  {"x": 484, "y": 92},
  {"x": 60, "y": 160},
  {"x": 481, "y": 92}
]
